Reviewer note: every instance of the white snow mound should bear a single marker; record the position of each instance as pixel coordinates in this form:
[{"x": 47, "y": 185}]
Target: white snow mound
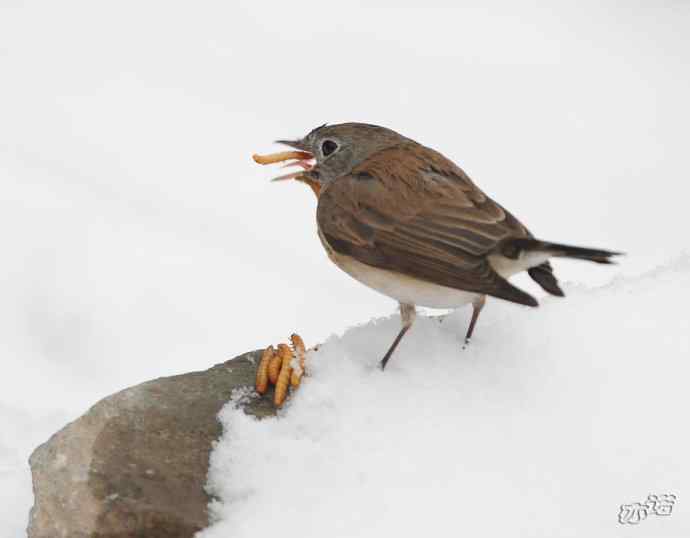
[{"x": 548, "y": 422}]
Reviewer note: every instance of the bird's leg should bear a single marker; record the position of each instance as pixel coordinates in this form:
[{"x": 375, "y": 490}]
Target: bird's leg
[
  {"x": 407, "y": 315},
  {"x": 477, "y": 306}
]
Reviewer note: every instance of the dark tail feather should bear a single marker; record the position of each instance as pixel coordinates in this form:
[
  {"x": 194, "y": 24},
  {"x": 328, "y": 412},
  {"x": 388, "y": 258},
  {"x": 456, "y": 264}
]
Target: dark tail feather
[
  {"x": 512, "y": 248},
  {"x": 543, "y": 275}
]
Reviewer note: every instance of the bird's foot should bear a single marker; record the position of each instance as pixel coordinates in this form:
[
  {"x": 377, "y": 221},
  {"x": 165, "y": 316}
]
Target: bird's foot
[{"x": 282, "y": 367}]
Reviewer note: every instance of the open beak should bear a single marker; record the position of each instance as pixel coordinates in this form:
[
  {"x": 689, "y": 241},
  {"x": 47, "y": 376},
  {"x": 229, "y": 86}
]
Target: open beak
[
  {"x": 298, "y": 157},
  {"x": 296, "y": 144}
]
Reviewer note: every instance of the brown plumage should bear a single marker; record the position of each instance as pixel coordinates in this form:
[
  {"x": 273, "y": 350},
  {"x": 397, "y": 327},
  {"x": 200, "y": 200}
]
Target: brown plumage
[
  {"x": 410, "y": 210},
  {"x": 409, "y": 223}
]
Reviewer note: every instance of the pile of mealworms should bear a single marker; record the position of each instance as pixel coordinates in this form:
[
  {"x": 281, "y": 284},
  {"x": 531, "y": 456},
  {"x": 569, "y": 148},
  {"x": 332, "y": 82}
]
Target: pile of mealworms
[{"x": 283, "y": 367}]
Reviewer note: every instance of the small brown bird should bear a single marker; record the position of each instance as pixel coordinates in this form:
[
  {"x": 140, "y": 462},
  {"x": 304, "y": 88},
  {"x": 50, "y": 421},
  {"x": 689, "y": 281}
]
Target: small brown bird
[{"x": 406, "y": 221}]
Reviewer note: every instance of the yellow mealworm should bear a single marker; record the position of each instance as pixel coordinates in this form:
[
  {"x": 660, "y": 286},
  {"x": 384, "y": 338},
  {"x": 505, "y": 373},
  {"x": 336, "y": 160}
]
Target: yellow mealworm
[
  {"x": 283, "y": 382},
  {"x": 300, "y": 351},
  {"x": 274, "y": 368},
  {"x": 281, "y": 156},
  {"x": 262, "y": 370}
]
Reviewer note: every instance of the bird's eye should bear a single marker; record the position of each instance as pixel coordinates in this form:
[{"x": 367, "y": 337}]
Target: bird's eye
[{"x": 328, "y": 147}]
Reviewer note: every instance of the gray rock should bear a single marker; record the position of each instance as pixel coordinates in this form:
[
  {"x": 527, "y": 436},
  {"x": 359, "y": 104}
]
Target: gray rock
[{"x": 135, "y": 464}]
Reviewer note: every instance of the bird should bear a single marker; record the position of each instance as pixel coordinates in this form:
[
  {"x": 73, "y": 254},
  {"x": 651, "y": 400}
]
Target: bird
[{"x": 406, "y": 221}]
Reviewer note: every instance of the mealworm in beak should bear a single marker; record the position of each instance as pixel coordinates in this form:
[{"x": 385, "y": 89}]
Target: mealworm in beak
[{"x": 282, "y": 156}]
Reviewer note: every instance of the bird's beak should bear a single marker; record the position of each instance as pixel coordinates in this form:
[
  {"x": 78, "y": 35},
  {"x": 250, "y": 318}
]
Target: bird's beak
[
  {"x": 297, "y": 144},
  {"x": 300, "y": 157}
]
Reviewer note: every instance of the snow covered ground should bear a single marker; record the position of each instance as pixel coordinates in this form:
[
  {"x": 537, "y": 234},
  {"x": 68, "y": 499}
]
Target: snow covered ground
[
  {"x": 137, "y": 238},
  {"x": 543, "y": 427}
]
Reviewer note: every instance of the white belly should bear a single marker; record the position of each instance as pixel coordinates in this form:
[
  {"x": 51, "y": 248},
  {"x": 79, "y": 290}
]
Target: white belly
[
  {"x": 402, "y": 288},
  {"x": 409, "y": 290}
]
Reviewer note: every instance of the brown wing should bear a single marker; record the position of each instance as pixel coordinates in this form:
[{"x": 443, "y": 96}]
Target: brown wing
[{"x": 409, "y": 209}]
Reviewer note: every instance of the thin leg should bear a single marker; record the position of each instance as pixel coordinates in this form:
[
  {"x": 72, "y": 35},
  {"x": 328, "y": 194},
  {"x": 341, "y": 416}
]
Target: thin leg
[
  {"x": 477, "y": 306},
  {"x": 407, "y": 315}
]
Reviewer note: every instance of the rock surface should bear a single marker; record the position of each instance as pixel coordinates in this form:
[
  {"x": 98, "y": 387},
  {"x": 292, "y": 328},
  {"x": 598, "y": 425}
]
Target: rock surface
[{"x": 135, "y": 464}]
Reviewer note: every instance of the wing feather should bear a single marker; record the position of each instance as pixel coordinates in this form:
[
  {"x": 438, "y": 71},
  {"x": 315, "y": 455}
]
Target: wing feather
[{"x": 409, "y": 209}]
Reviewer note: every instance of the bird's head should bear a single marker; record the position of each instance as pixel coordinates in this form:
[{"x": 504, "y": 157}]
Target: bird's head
[{"x": 331, "y": 151}]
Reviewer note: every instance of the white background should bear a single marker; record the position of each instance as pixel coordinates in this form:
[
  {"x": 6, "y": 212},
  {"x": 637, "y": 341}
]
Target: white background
[{"x": 137, "y": 238}]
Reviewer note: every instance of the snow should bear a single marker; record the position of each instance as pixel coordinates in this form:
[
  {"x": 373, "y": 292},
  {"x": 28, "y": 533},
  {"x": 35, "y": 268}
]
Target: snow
[
  {"x": 545, "y": 425},
  {"x": 139, "y": 240}
]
